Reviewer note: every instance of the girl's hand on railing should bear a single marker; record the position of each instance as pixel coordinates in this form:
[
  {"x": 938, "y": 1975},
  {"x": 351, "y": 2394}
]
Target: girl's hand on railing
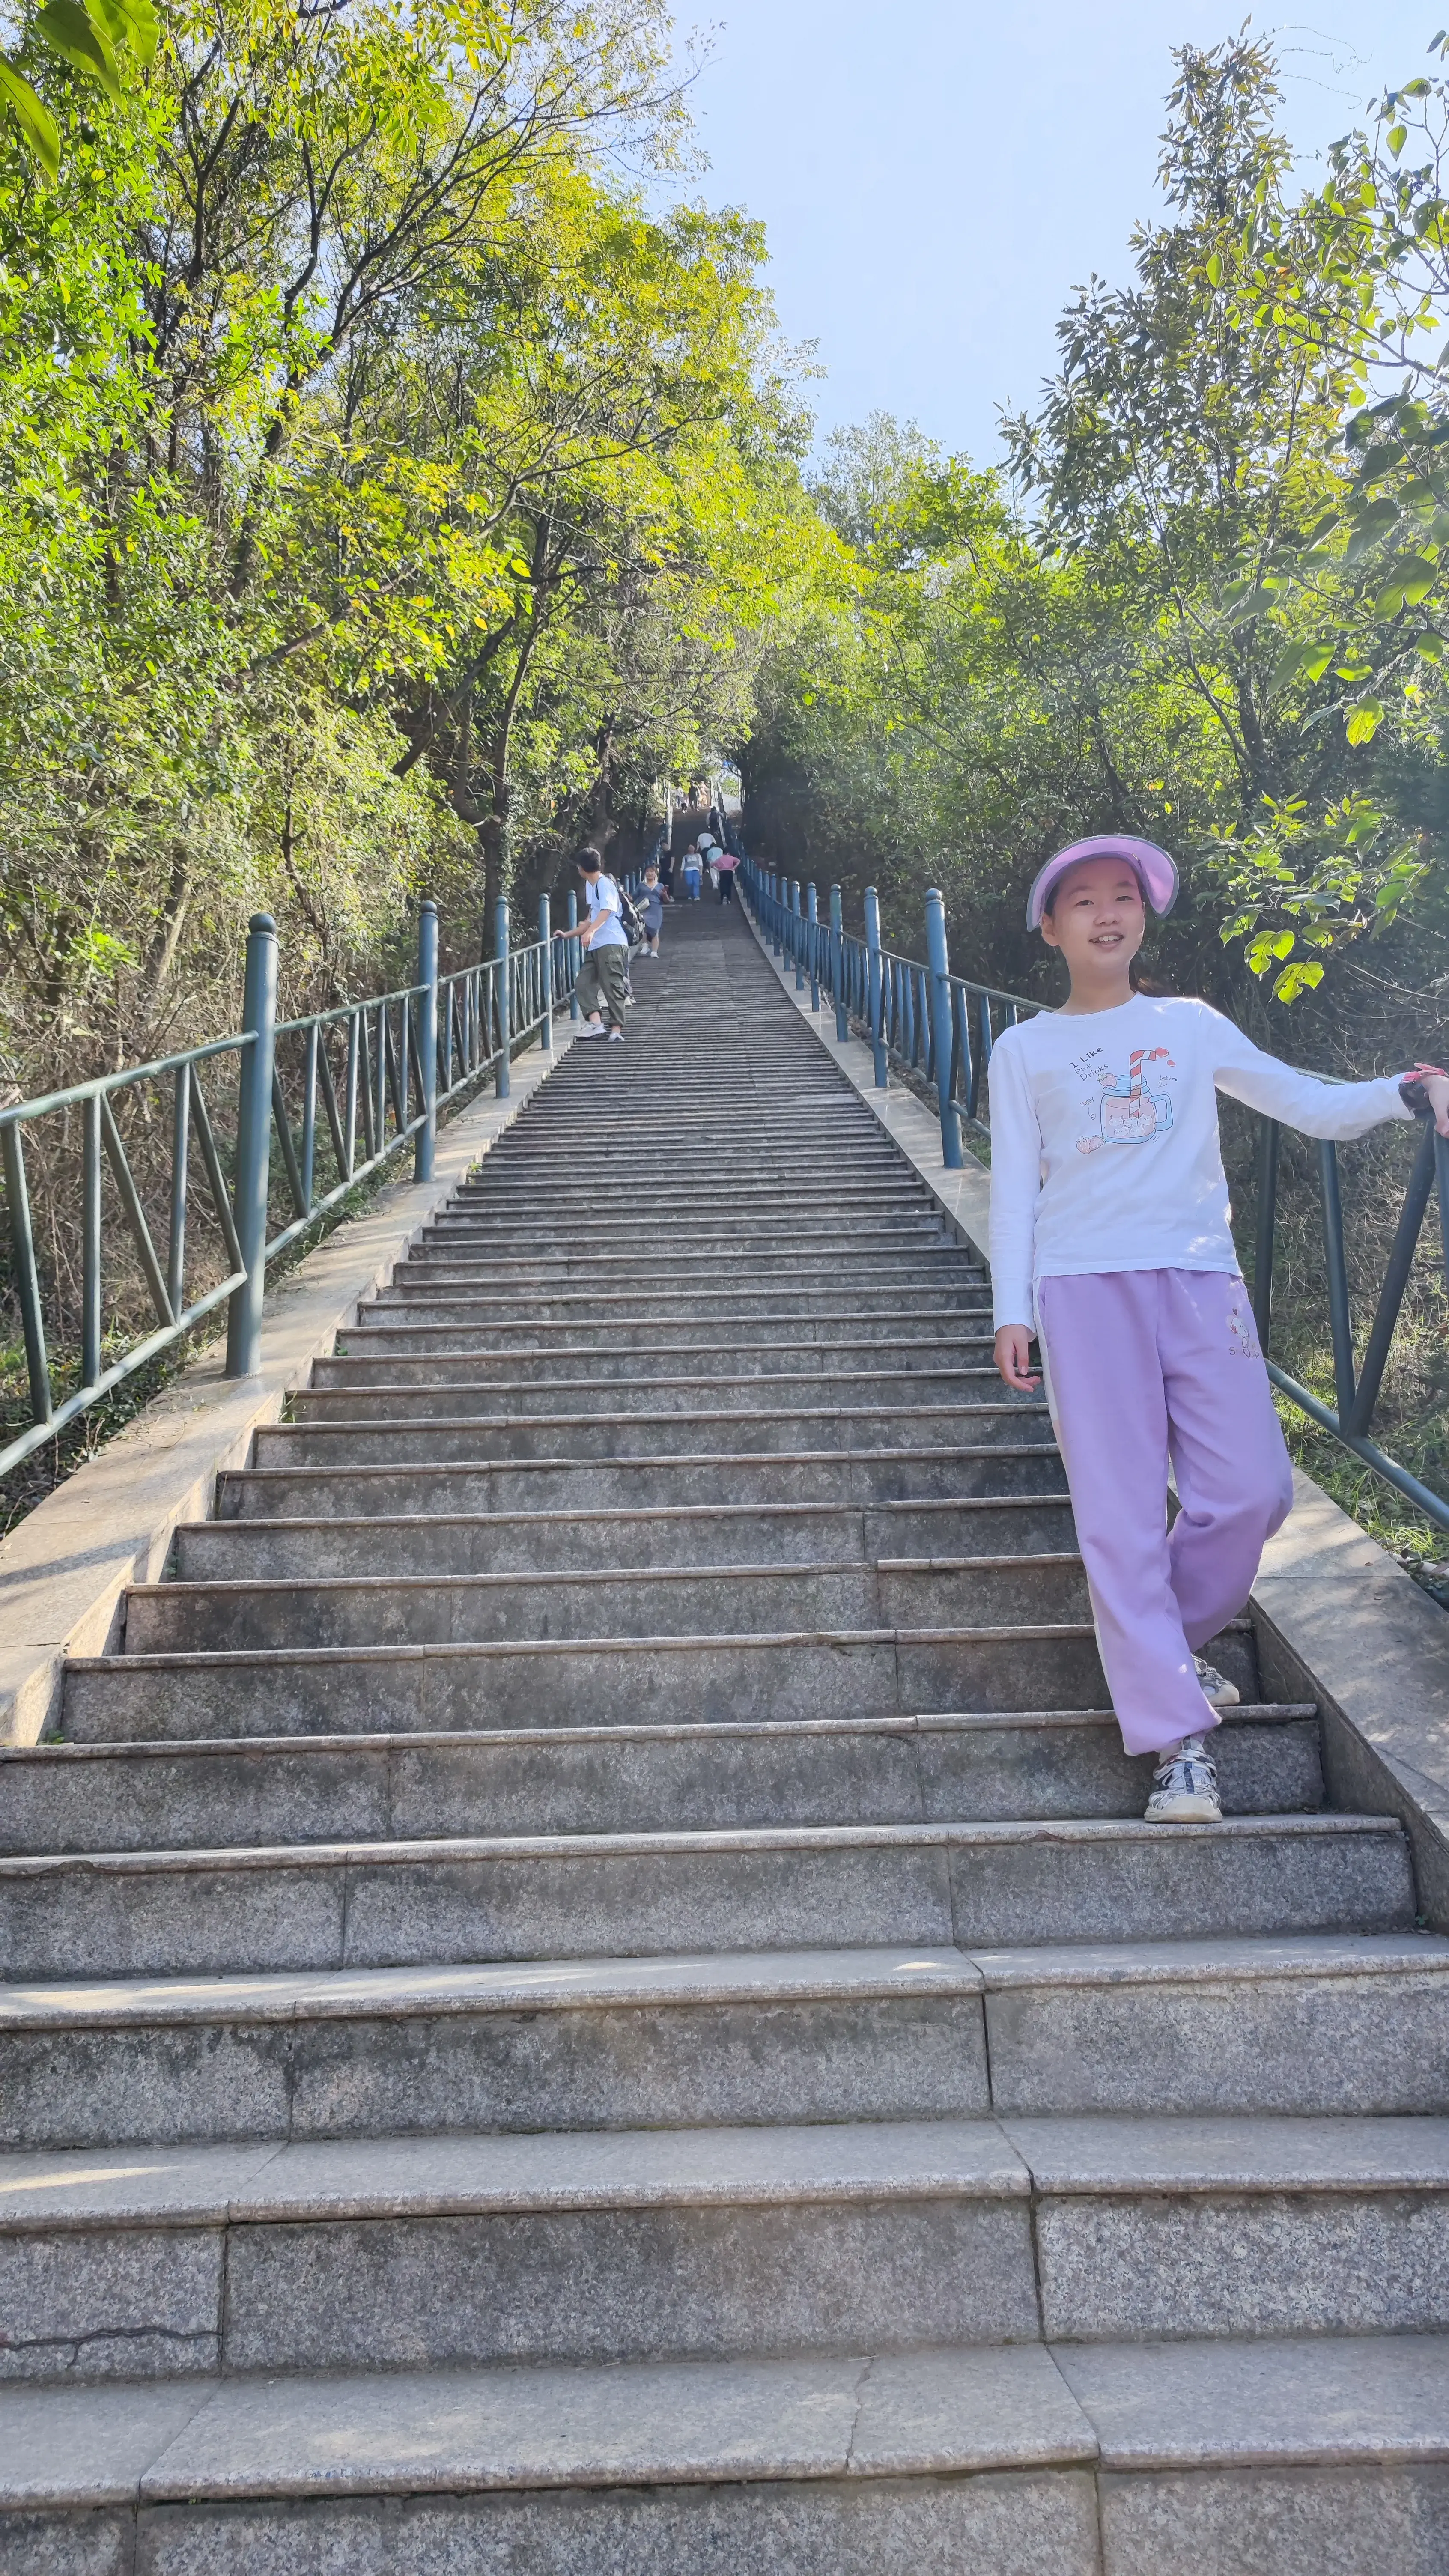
[
  {"x": 1013, "y": 1355},
  {"x": 1433, "y": 1083}
]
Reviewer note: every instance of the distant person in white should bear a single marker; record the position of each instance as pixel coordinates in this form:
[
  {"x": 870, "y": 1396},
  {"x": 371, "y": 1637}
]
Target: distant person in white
[
  {"x": 1110, "y": 1237},
  {"x": 603, "y": 986}
]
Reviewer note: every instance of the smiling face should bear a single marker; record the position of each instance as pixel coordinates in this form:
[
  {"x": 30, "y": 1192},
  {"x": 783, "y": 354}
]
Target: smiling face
[{"x": 1097, "y": 921}]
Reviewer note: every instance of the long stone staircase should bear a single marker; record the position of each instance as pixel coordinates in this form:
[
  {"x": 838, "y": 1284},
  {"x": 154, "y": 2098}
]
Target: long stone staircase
[{"x": 590, "y": 1991}]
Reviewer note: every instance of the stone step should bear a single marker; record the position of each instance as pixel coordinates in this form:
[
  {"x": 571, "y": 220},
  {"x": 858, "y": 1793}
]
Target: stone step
[
  {"x": 1336, "y": 2025},
  {"x": 834, "y": 1205},
  {"x": 606, "y": 1430},
  {"x": 601, "y": 1310},
  {"x": 647, "y": 2244},
  {"x": 412, "y": 1689},
  {"x": 1104, "y": 2460},
  {"x": 685, "y": 1231},
  {"x": 664, "y": 1357},
  {"x": 836, "y": 1197},
  {"x": 987, "y": 1469},
  {"x": 640, "y": 1601},
  {"x": 712, "y": 2242},
  {"x": 1150, "y": 2228},
  {"x": 624, "y": 1262},
  {"x": 499, "y": 1897},
  {"x": 663, "y": 1282},
  {"x": 731, "y": 1256},
  {"x": 441, "y": 1545},
  {"x": 444, "y": 1397},
  {"x": 626, "y": 1778},
  {"x": 583, "y": 2044},
  {"x": 902, "y": 1335}
]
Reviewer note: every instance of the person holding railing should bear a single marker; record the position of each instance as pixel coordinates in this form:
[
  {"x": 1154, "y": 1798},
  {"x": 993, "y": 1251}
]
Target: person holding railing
[
  {"x": 603, "y": 985},
  {"x": 1110, "y": 1238}
]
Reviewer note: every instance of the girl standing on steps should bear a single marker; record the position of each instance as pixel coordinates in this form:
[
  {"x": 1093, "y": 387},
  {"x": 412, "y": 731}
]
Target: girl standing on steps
[{"x": 1110, "y": 1238}]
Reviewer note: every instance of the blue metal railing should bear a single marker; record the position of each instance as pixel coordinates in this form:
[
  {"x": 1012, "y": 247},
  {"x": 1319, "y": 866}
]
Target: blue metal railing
[
  {"x": 345, "y": 1088},
  {"x": 924, "y": 1017}
]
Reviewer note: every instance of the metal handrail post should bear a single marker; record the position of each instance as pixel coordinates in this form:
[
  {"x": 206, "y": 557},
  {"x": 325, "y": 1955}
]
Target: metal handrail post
[
  {"x": 253, "y": 1147},
  {"x": 776, "y": 932},
  {"x": 545, "y": 951},
  {"x": 873, "y": 996},
  {"x": 940, "y": 970},
  {"x": 425, "y": 1145},
  {"x": 812, "y": 915},
  {"x": 797, "y": 935},
  {"x": 575, "y": 1012},
  {"x": 502, "y": 1079},
  {"x": 837, "y": 966}
]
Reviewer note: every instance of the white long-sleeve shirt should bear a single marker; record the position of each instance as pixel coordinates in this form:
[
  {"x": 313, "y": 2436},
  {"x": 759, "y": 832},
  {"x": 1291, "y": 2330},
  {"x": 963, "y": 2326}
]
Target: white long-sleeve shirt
[{"x": 1104, "y": 1139}]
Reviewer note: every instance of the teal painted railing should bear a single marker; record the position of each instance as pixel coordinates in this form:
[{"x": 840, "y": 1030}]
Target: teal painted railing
[
  {"x": 926, "y": 1018},
  {"x": 320, "y": 1104}
]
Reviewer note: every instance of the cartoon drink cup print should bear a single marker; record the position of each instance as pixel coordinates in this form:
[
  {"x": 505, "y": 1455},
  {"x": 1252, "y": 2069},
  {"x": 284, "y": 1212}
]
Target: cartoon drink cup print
[{"x": 1131, "y": 1112}]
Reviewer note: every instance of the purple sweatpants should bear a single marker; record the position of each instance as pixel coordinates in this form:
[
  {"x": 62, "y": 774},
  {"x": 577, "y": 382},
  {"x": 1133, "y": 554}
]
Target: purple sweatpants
[{"x": 1142, "y": 1366}]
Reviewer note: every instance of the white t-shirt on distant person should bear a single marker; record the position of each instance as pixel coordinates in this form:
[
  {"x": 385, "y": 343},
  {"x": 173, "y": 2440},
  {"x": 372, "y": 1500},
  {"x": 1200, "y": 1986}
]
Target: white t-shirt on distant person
[
  {"x": 1104, "y": 1139},
  {"x": 603, "y": 902}
]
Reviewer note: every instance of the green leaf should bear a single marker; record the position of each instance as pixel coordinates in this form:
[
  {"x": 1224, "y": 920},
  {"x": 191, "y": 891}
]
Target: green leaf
[
  {"x": 1430, "y": 645},
  {"x": 38, "y": 129},
  {"x": 1364, "y": 719},
  {"x": 1254, "y": 605},
  {"x": 1396, "y": 138},
  {"x": 1301, "y": 976},
  {"x": 130, "y": 23},
  {"x": 1308, "y": 660},
  {"x": 65, "y": 27},
  {"x": 1268, "y": 948},
  {"x": 1213, "y": 269},
  {"x": 1416, "y": 576}
]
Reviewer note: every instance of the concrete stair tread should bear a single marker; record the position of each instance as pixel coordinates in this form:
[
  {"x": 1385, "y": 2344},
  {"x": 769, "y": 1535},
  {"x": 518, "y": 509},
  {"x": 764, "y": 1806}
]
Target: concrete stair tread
[
  {"x": 1305, "y": 2401},
  {"x": 899, "y": 1316},
  {"x": 567, "y": 1577},
  {"x": 622, "y": 2424},
  {"x": 751, "y": 1976},
  {"x": 804, "y": 1730},
  {"x": 1311, "y": 2400},
  {"x": 316, "y": 2180},
  {"x": 1117, "y": 2154},
  {"x": 1026, "y": 1406},
  {"x": 637, "y": 1515},
  {"x": 596, "y": 1380},
  {"x": 313, "y": 1657},
  {"x": 1225, "y": 1959},
  {"x": 537, "y": 1986},
  {"x": 274, "y": 2181},
  {"x": 1081, "y": 1833}
]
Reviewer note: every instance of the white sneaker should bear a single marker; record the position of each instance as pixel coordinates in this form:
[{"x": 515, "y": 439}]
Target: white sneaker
[
  {"x": 616, "y": 1037},
  {"x": 1216, "y": 1689},
  {"x": 1185, "y": 1787},
  {"x": 591, "y": 1029}
]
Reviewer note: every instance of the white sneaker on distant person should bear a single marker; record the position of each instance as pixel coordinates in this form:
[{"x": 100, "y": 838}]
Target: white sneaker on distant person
[
  {"x": 1216, "y": 1688},
  {"x": 592, "y": 1029},
  {"x": 1184, "y": 1786},
  {"x": 616, "y": 1037}
]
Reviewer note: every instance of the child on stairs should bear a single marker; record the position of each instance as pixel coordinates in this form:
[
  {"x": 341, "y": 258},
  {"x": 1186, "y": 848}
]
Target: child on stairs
[{"x": 1110, "y": 1238}]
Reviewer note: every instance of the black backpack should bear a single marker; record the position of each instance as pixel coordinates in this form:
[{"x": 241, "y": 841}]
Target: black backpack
[{"x": 633, "y": 926}]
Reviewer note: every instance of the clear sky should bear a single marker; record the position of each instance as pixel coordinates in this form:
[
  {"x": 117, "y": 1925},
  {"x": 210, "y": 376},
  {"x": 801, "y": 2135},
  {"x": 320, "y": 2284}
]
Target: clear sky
[{"x": 936, "y": 175}]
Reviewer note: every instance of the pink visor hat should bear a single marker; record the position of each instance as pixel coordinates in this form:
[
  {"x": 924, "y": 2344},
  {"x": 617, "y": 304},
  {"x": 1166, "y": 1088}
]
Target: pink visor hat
[{"x": 1155, "y": 872}]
